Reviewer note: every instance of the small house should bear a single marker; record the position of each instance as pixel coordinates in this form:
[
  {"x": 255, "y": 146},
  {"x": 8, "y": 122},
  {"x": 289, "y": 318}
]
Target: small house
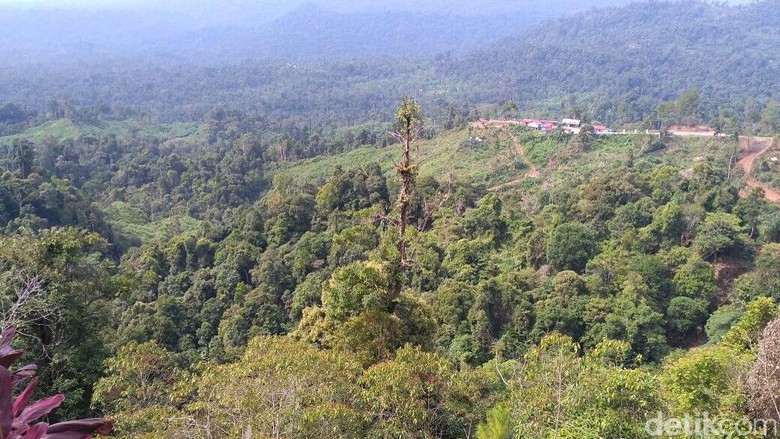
[{"x": 571, "y": 123}]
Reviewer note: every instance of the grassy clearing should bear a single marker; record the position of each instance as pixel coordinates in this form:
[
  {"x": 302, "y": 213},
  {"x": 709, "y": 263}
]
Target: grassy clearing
[
  {"x": 453, "y": 155},
  {"x": 178, "y": 130},
  {"x": 131, "y": 222},
  {"x": 539, "y": 148},
  {"x": 62, "y": 130},
  {"x": 488, "y": 157}
]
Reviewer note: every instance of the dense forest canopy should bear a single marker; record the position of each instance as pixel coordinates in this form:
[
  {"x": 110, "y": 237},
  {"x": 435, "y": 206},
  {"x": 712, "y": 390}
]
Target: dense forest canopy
[
  {"x": 616, "y": 65},
  {"x": 237, "y": 231}
]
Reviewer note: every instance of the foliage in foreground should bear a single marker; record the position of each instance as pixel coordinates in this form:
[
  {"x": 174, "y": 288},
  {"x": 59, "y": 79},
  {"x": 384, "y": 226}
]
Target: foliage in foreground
[{"x": 19, "y": 416}]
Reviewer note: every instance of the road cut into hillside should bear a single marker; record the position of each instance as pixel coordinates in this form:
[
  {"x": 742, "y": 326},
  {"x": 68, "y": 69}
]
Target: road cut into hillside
[{"x": 751, "y": 148}]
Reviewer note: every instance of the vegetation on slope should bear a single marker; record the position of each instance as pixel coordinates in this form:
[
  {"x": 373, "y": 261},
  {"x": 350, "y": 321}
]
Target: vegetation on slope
[
  {"x": 229, "y": 272},
  {"x": 220, "y": 245}
]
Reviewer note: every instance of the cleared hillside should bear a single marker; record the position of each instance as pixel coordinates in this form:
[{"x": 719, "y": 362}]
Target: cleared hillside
[{"x": 487, "y": 156}]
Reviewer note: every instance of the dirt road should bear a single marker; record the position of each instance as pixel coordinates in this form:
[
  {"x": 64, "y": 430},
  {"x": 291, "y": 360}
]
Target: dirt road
[
  {"x": 754, "y": 147},
  {"x": 533, "y": 172},
  {"x": 750, "y": 148}
]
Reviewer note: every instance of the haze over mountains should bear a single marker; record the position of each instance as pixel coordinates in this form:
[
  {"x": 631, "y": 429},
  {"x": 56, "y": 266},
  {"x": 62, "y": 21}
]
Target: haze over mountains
[
  {"x": 232, "y": 31},
  {"x": 618, "y": 62}
]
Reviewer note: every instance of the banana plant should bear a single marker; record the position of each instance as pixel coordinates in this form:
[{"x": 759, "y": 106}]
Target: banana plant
[{"x": 19, "y": 418}]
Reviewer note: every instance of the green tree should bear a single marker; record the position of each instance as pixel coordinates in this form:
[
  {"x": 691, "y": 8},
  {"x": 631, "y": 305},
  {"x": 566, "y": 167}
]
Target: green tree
[
  {"x": 136, "y": 389},
  {"x": 688, "y": 106},
  {"x": 630, "y": 318},
  {"x": 684, "y": 318},
  {"x": 695, "y": 279},
  {"x": 666, "y": 228},
  {"x": 419, "y": 395},
  {"x": 706, "y": 379},
  {"x": 746, "y": 332},
  {"x": 549, "y": 395},
  {"x": 570, "y": 247},
  {"x": 764, "y": 279},
  {"x": 719, "y": 234},
  {"x": 721, "y": 321},
  {"x": 23, "y": 155},
  {"x": 57, "y": 288},
  {"x": 498, "y": 424},
  {"x": 563, "y": 308},
  {"x": 769, "y": 118},
  {"x": 558, "y": 394},
  {"x": 751, "y": 210},
  {"x": 356, "y": 288},
  {"x": 279, "y": 387},
  {"x": 484, "y": 221}
]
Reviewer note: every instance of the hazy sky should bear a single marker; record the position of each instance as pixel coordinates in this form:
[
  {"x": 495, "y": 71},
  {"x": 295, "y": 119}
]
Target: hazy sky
[
  {"x": 62, "y": 3},
  {"x": 100, "y": 3},
  {"x": 273, "y": 8},
  {"x": 167, "y": 3}
]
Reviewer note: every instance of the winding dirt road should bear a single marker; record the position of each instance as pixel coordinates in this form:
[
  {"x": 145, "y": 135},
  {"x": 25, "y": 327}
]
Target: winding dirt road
[
  {"x": 749, "y": 147},
  {"x": 753, "y": 148},
  {"x": 533, "y": 171}
]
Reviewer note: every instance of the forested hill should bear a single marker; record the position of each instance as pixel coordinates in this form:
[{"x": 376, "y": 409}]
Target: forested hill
[
  {"x": 313, "y": 32},
  {"x": 623, "y": 60},
  {"x": 196, "y": 32},
  {"x": 616, "y": 64}
]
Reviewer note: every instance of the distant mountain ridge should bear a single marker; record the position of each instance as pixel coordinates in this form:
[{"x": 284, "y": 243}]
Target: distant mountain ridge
[
  {"x": 229, "y": 31},
  {"x": 616, "y": 64},
  {"x": 635, "y": 55}
]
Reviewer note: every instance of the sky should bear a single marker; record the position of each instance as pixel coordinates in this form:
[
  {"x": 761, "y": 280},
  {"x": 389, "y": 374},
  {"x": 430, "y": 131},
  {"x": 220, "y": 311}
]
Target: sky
[
  {"x": 163, "y": 3},
  {"x": 70, "y": 3},
  {"x": 221, "y": 10}
]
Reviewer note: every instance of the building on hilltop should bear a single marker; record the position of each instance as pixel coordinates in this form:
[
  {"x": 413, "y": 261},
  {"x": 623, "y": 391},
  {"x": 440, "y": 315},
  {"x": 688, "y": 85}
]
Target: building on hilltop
[
  {"x": 573, "y": 126},
  {"x": 571, "y": 123},
  {"x": 542, "y": 125}
]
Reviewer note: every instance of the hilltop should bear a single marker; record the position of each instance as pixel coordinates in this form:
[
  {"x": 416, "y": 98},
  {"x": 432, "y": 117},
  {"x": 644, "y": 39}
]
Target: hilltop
[{"x": 486, "y": 154}]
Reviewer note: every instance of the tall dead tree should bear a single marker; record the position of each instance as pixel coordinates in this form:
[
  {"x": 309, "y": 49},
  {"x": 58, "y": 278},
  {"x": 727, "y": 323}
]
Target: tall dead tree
[{"x": 408, "y": 126}]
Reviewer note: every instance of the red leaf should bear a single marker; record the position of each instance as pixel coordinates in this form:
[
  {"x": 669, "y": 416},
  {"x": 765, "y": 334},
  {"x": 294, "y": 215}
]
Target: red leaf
[
  {"x": 39, "y": 408},
  {"x": 6, "y": 407},
  {"x": 36, "y": 431},
  {"x": 21, "y": 401},
  {"x": 7, "y": 353},
  {"x": 6, "y": 336},
  {"x": 24, "y": 372},
  {"x": 81, "y": 429}
]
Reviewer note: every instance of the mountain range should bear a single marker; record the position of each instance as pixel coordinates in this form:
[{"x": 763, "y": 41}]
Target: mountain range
[{"x": 617, "y": 63}]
